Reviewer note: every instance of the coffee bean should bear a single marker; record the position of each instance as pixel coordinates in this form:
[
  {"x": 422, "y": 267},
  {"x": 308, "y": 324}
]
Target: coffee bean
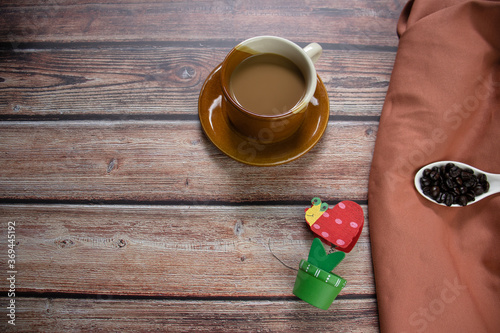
[
  {"x": 426, "y": 173},
  {"x": 465, "y": 175},
  {"x": 478, "y": 189},
  {"x": 462, "y": 200},
  {"x": 435, "y": 192},
  {"x": 425, "y": 182},
  {"x": 470, "y": 182},
  {"x": 427, "y": 190},
  {"x": 454, "y": 171},
  {"x": 486, "y": 187},
  {"x": 449, "y": 200},
  {"x": 481, "y": 178}
]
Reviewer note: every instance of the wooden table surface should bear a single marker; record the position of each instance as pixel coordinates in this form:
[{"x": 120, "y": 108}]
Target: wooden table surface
[{"x": 127, "y": 218}]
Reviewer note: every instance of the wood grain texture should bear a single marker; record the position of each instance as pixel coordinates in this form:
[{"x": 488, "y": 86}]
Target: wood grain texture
[
  {"x": 199, "y": 251},
  {"x": 127, "y": 217},
  {"x": 154, "y": 81},
  {"x": 162, "y": 161},
  {"x": 355, "y": 22},
  {"x": 116, "y": 315}
]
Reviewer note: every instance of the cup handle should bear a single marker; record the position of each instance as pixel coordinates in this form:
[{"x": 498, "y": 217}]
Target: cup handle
[{"x": 314, "y": 51}]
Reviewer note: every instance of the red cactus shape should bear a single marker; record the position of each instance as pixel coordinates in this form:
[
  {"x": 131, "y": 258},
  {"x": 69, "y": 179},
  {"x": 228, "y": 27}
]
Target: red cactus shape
[{"x": 340, "y": 225}]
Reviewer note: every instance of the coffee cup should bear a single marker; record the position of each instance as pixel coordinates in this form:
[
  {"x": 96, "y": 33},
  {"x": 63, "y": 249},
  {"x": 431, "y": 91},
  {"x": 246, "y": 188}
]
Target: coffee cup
[{"x": 267, "y": 83}]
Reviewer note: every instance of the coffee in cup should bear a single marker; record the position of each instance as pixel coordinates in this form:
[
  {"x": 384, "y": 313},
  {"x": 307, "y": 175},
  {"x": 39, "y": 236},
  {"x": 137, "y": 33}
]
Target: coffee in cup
[{"x": 267, "y": 84}]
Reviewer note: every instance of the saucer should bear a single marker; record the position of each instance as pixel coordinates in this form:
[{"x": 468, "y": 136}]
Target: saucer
[{"x": 224, "y": 136}]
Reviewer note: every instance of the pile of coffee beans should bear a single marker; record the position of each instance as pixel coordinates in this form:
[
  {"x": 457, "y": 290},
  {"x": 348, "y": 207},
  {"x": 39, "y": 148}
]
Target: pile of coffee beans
[{"x": 450, "y": 184}]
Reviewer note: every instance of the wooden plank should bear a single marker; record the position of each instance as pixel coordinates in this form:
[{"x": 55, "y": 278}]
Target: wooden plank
[
  {"x": 115, "y": 315},
  {"x": 356, "y": 22},
  {"x": 171, "y": 161},
  {"x": 183, "y": 251},
  {"x": 163, "y": 80}
]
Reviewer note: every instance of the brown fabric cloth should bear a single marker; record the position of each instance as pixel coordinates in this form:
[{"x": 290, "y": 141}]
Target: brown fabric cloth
[{"x": 437, "y": 269}]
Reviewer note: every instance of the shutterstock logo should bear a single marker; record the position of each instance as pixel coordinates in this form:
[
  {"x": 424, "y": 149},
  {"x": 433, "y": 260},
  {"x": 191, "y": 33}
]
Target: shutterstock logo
[{"x": 426, "y": 315}]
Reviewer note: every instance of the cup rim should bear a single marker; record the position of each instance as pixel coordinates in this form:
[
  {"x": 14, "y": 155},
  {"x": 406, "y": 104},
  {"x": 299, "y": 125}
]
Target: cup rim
[{"x": 297, "y": 107}]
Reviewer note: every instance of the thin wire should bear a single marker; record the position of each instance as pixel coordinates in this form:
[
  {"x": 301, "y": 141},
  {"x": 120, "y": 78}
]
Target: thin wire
[{"x": 281, "y": 261}]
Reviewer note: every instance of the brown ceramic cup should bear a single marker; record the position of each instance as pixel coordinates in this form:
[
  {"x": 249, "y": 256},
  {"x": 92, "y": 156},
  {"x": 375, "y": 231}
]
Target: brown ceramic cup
[{"x": 268, "y": 129}]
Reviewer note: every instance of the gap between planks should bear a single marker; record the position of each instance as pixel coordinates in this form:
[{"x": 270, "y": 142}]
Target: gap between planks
[
  {"x": 36, "y": 119},
  {"x": 153, "y": 45}
]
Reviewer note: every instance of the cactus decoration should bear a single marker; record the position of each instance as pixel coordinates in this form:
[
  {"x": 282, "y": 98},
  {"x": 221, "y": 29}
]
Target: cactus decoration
[
  {"x": 319, "y": 258},
  {"x": 341, "y": 227}
]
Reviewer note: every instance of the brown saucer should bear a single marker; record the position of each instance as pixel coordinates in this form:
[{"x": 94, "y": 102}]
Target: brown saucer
[{"x": 222, "y": 134}]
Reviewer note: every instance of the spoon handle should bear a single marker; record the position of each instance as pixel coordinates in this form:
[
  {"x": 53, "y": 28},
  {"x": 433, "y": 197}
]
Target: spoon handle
[{"x": 494, "y": 180}]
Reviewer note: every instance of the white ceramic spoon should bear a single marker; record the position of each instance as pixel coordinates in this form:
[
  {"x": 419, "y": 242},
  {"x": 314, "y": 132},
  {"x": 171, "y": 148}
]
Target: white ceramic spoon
[{"x": 493, "y": 179}]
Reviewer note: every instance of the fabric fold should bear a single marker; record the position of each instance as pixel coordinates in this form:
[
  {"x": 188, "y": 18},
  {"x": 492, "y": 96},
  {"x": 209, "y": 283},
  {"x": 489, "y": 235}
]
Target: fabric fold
[{"x": 437, "y": 269}]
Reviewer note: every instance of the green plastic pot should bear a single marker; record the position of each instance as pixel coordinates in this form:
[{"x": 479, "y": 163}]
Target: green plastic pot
[{"x": 316, "y": 286}]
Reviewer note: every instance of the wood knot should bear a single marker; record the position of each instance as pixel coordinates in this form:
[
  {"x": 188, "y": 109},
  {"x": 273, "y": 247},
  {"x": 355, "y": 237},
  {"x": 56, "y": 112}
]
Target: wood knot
[
  {"x": 238, "y": 228},
  {"x": 186, "y": 72},
  {"x": 121, "y": 243},
  {"x": 112, "y": 165},
  {"x": 63, "y": 243}
]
